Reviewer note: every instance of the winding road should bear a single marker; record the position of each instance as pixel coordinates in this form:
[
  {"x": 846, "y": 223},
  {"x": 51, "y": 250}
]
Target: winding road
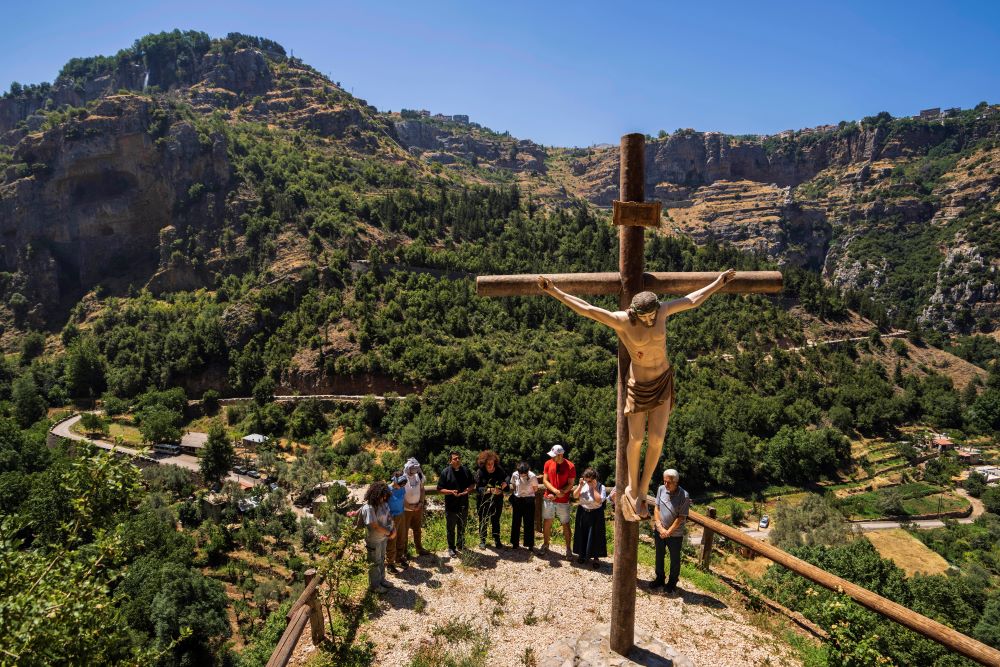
[{"x": 64, "y": 430}]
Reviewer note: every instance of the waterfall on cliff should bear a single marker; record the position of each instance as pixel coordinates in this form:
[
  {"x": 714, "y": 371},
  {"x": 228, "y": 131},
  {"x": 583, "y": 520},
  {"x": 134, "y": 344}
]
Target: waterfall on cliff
[{"x": 145, "y": 81}]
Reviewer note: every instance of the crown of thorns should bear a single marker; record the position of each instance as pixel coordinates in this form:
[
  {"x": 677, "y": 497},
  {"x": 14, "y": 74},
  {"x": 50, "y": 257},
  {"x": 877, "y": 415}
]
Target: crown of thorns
[{"x": 644, "y": 302}]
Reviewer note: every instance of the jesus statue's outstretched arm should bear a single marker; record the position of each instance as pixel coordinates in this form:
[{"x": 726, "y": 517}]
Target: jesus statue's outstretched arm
[
  {"x": 699, "y": 296},
  {"x": 581, "y": 307}
]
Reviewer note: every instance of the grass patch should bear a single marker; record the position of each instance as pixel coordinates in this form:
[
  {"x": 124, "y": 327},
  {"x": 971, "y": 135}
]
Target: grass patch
[
  {"x": 906, "y": 551},
  {"x": 935, "y": 503},
  {"x": 905, "y": 499},
  {"x": 457, "y": 643},
  {"x": 494, "y": 594},
  {"x": 706, "y": 581},
  {"x": 812, "y": 653}
]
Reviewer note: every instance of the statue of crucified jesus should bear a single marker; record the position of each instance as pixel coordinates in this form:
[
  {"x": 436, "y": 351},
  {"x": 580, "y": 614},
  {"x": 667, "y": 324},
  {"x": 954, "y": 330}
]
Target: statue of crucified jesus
[{"x": 650, "y": 393}]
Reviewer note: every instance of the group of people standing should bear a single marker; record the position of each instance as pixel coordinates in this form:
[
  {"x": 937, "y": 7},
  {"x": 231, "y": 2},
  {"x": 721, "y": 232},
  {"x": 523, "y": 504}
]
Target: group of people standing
[
  {"x": 491, "y": 484},
  {"x": 392, "y": 510}
]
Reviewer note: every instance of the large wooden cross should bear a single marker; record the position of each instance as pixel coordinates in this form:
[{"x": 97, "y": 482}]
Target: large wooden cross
[{"x": 631, "y": 214}]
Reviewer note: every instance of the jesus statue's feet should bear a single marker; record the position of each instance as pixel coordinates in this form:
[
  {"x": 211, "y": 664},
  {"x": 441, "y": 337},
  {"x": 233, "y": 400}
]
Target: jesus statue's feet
[
  {"x": 628, "y": 505},
  {"x": 642, "y": 509}
]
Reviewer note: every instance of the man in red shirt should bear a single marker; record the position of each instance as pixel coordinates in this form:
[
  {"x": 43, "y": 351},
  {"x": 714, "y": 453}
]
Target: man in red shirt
[{"x": 558, "y": 476}]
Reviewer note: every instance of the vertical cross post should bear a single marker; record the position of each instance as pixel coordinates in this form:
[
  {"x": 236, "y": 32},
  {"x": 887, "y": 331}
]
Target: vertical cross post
[{"x": 630, "y": 266}]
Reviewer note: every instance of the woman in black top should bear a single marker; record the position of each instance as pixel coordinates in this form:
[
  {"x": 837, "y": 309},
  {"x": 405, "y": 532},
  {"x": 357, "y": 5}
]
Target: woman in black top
[{"x": 491, "y": 481}]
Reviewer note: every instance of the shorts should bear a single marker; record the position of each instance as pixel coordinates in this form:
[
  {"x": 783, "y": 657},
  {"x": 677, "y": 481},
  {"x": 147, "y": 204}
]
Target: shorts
[{"x": 550, "y": 509}]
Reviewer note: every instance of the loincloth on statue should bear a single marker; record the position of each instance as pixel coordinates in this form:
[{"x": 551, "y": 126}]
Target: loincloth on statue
[{"x": 647, "y": 396}]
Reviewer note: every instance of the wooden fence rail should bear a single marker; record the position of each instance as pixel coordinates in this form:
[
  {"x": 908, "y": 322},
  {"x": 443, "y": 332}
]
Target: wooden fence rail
[
  {"x": 305, "y": 609},
  {"x": 927, "y": 627}
]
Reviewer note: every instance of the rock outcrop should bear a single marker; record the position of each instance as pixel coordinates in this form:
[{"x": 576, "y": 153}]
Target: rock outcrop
[
  {"x": 447, "y": 145},
  {"x": 760, "y": 218},
  {"x": 245, "y": 72},
  {"x": 100, "y": 191}
]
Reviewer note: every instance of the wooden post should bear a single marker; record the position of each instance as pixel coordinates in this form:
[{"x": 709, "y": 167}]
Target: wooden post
[
  {"x": 315, "y": 611},
  {"x": 630, "y": 267},
  {"x": 705, "y": 557}
]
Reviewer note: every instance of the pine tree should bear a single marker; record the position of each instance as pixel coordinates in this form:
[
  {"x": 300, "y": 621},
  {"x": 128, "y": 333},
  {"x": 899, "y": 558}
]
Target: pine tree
[{"x": 217, "y": 456}]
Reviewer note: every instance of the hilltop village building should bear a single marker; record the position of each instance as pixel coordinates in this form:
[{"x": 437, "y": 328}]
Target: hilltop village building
[
  {"x": 192, "y": 443},
  {"x": 969, "y": 455},
  {"x": 991, "y": 473},
  {"x": 942, "y": 443},
  {"x": 935, "y": 113},
  {"x": 254, "y": 440}
]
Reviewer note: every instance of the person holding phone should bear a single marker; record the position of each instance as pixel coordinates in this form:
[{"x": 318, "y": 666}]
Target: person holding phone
[
  {"x": 393, "y": 551},
  {"x": 590, "y": 540}
]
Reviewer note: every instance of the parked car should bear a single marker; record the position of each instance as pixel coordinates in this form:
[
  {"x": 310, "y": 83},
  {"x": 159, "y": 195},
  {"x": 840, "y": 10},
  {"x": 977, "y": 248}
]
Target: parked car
[
  {"x": 765, "y": 521},
  {"x": 253, "y": 473},
  {"x": 239, "y": 470}
]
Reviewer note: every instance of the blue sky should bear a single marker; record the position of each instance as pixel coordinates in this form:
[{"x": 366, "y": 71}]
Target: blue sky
[{"x": 578, "y": 73}]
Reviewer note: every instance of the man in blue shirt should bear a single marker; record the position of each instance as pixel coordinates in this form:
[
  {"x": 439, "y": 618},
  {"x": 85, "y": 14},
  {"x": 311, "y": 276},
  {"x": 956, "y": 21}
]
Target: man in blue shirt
[
  {"x": 397, "y": 490},
  {"x": 672, "y": 505}
]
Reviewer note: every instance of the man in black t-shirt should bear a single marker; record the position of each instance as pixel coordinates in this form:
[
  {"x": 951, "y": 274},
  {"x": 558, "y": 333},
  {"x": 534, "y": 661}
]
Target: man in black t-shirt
[{"x": 455, "y": 484}]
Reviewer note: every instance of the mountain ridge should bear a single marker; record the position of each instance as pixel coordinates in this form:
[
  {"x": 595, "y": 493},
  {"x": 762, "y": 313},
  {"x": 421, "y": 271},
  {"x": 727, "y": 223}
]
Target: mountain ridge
[{"x": 831, "y": 199}]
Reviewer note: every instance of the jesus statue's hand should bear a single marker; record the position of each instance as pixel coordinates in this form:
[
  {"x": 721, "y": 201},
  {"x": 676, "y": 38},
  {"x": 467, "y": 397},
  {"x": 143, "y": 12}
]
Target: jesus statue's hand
[
  {"x": 544, "y": 283},
  {"x": 728, "y": 275}
]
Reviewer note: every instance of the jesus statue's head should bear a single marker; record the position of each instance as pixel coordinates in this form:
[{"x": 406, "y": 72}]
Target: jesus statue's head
[{"x": 643, "y": 308}]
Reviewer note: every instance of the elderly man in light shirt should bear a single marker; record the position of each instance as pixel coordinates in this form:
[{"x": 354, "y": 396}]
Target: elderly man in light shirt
[{"x": 669, "y": 517}]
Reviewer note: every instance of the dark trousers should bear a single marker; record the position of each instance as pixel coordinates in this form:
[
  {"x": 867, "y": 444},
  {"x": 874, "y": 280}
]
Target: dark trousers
[
  {"x": 523, "y": 511},
  {"x": 673, "y": 544},
  {"x": 489, "y": 509},
  {"x": 455, "y": 521}
]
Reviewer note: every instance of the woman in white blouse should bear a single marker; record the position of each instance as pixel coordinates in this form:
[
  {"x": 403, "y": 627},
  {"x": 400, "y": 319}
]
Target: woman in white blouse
[
  {"x": 523, "y": 485},
  {"x": 589, "y": 538}
]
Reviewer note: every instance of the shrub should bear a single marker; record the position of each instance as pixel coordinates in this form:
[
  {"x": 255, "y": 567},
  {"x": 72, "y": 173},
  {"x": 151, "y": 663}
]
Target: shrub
[{"x": 210, "y": 401}]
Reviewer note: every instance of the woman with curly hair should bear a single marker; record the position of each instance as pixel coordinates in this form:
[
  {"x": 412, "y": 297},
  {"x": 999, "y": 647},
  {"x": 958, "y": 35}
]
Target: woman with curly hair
[
  {"x": 375, "y": 516},
  {"x": 491, "y": 481}
]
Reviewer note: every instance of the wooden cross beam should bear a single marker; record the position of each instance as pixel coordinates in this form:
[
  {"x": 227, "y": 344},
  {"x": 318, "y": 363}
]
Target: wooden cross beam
[
  {"x": 629, "y": 281},
  {"x": 526, "y": 284}
]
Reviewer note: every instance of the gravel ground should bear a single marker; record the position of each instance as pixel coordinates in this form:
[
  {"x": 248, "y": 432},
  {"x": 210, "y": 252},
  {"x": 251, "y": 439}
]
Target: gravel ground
[{"x": 559, "y": 599}]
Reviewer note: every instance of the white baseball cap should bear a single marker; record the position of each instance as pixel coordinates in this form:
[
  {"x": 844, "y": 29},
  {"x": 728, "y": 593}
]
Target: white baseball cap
[{"x": 556, "y": 450}]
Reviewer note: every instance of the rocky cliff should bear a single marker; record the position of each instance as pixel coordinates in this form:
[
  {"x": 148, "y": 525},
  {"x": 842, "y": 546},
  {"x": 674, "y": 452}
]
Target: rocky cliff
[
  {"x": 99, "y": 192},
  {"x": 446, "y": 143},
  {"x": 242, "y": 72}
]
